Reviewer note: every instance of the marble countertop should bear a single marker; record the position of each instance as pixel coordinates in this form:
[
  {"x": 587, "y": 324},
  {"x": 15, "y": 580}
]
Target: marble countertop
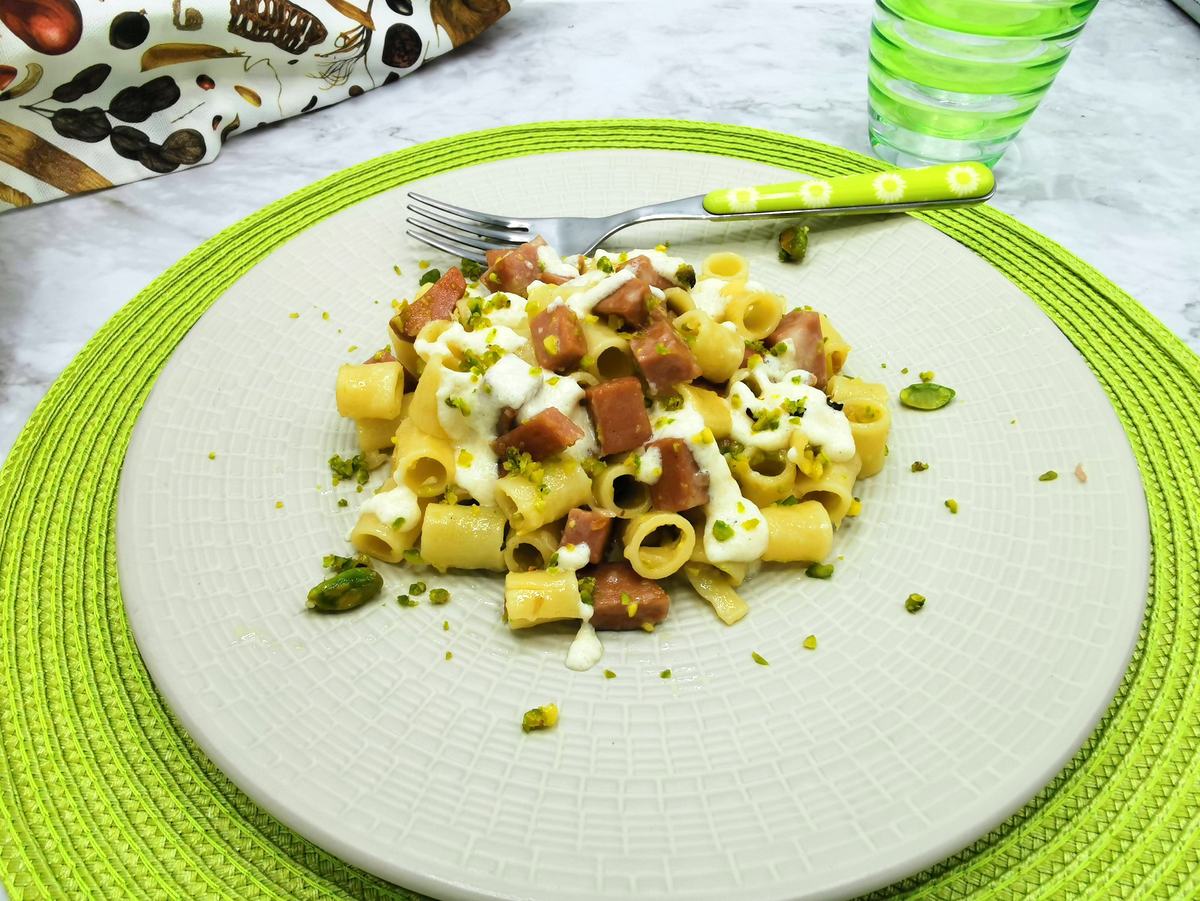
[{"x": 1106, "y": 167}]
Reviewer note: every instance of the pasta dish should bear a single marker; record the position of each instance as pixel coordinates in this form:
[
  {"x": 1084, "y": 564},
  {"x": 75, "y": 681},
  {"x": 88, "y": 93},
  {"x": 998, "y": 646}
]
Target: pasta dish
[{"x": 591, "y": 426}]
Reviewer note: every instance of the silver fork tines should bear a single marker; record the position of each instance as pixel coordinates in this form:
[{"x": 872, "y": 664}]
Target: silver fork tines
[{"x": 460, "y": 231}]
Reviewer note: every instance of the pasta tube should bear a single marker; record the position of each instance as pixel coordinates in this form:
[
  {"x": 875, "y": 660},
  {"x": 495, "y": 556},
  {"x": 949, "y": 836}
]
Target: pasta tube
[
  {"x": 617, "y": 490},
  {"x": 754, "y": 314},
  {"x": 608, "y": 354},
  {"x": 463, "y": 537},
  {"x": 799, "y": 533},
  {"x": 865, "y": 405},
  {"x": 422, "y": 463},
  {"x": 658, "y": 544},
  {"x": 532, "y": 550},
  {"x": 833, "y": 487},
  {"x": 528, "y": 504},
  {"x": 380, "y": 540},
  {"x": 725, "y": 264},
  {"x": 370, "y": 390},
  {"x": 533, "y": 598},
  {"x": 717, "y": 350},
  {"x": 423, "y": 410}
]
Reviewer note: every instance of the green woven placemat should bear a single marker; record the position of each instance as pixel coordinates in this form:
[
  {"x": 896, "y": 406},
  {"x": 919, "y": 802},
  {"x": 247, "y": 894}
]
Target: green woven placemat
[{"x": 102, "y": 793}]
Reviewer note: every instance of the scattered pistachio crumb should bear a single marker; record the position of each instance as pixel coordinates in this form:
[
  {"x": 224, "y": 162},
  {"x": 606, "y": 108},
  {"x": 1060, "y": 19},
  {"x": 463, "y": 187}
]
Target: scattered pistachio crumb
[
  {"x": 819, "y": 570},
  {"x": 342, "y": 502},
  {"x": 396, "y": 269},
  {"x": 544, "y": 717},
  {"x": 665, "y": 674},
  {"x": 647, "y": 627},
  {"x": 919, "y": 466},
  {"x": 904, "y": 371},
  {"x": 914, "y": 602},
  {"x": 883, "y": 365},
  {"x": 810, "y": 643},
  {"x": 422, "y": 264},
  {"x": 439, "y": 596},
  {"x": 417, "y": 588},
  {"x": 609, "y": 674},
  {"x": 952, "y": 505},
  {"x": 445, "y": 625},
  {"x": 405, "y": 601},
  {"x": 926, "y": 376},
  {"x": 449, "y": 655},
  {"x": 212, "y": 455},
  {"x": 1048, "y": 476},
  {"x": 325, "y": 315},
  {"x": 759, "y": 658},
  {"x": 352, "y": 348},
  {"x": 279, "y": 505},
  {"x": 1012, "y": 422}
]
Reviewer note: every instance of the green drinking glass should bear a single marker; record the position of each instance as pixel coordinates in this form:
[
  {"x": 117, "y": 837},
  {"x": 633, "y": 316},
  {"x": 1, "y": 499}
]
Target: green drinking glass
[{"x": 955, "y": 80}]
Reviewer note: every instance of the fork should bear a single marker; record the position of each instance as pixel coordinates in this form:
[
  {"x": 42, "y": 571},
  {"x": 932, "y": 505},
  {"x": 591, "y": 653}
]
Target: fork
[{"x": 471, "y": 233}]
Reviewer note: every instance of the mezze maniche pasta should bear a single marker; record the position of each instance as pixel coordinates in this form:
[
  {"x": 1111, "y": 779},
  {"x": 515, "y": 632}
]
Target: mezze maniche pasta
[{"x": 592, "y": 425}]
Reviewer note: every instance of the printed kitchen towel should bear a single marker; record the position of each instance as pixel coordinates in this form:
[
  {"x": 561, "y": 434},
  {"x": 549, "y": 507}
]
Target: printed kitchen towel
[{"x": 95, "y": 93}]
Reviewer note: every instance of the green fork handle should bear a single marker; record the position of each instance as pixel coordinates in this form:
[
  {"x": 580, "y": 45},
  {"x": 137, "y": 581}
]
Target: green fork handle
[{"x": 949, "y": 182}]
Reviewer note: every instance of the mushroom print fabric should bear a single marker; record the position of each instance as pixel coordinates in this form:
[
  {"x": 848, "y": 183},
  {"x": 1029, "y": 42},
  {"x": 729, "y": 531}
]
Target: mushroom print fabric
[{"x": 95, "y": 93}]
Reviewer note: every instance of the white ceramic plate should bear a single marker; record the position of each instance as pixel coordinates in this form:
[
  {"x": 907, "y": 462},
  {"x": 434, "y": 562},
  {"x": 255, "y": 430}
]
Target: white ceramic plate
[{"x": 897, "y": 742}]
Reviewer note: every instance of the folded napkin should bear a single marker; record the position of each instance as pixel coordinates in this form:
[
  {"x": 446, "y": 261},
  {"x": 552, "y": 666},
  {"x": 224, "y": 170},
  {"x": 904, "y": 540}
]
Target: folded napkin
[{"x": 95, "y": 93}]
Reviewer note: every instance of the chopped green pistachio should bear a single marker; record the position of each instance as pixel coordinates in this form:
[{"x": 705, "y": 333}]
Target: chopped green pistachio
[
  {"x": 794, "y": 407},
  {"x": 422, "y": 264},
  {"x": 550, "y": 342},
  {"x": 345, "y": 590},
  {"x": 626, "y": 600},
  {"x": 609, "y": 674},
  {"x": 819, "y": 570},
  {"x": 325, "y": 315},
  {"x": 445, "y": 625},
  {"x": 449, "y": 655},
  {"x": 810, "y": 643},
  {"x": 665, "y": 674},
  {"x": 952, "y": 505},
  {"x": 342, "y": 502},
  {"x": 465, "y": 458},
  {"x": 919, "y": 466},
  {"x": 1048, "y": 476},
  {"x": 413, "y": 557},
  {"x": 460, "y": 404},
  {"x": 751, "y": 524},
  {"x": 544, "y": 717},
  {"x": 661, "y": 349},
  {"x": 632, "y": 610},
  {"x": 405, "y": 601},
  {"x": 471, "y": 270},
  {"x": 355, "y": 468},
  {"x": 790, "y": 501},
  {"x": 212, "y": 455},
  {"x": 398, "y": 523},
  {"x": 722, "y": 531},
  {"x": 588, "y": 361},
  {"x": 904, "y": 371},
  {"x": 759, "y": 658},
  {"x": 293, "y": 315},
  {"x": 926, "y": 396},
  {"x": 926, "y": 376},
  {"x": 587, "y": 590},
  {"x": 340, "y": 564},
  {"x": 604, "y": 264},
  {"x": 396, "y": 269},
  {"x": 914, "y": 602},
  {"x": 793, "y": 244},
  {"x": 429, "y": 277},
  {"x": 417, "y": 588},
  {"x": 439, "y": 596},
  {"x": 279, "y": 505},
  {"x": 686, "y": 275}
]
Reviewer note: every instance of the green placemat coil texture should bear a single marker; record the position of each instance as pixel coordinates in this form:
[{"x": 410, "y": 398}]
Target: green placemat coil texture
[{"x": 103, "y": 794}]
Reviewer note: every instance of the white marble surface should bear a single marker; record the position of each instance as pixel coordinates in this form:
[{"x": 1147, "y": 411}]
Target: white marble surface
[{"x": 1107, "y": 167}]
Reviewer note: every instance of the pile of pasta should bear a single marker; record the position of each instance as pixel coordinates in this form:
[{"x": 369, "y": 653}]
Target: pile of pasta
[{"x": 593, "y": 425}]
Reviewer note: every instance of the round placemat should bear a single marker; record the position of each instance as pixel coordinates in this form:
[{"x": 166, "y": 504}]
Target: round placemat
[{"x": 102, "y": 793}]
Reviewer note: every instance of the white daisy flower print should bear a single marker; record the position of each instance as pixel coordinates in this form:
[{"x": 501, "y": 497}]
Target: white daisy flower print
[
  {"x": 962, "y": 180},
  {"x": 742, "y": 200},
  {"x": 816, "y": 193},
  {"x": 889, "y": 187}
]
